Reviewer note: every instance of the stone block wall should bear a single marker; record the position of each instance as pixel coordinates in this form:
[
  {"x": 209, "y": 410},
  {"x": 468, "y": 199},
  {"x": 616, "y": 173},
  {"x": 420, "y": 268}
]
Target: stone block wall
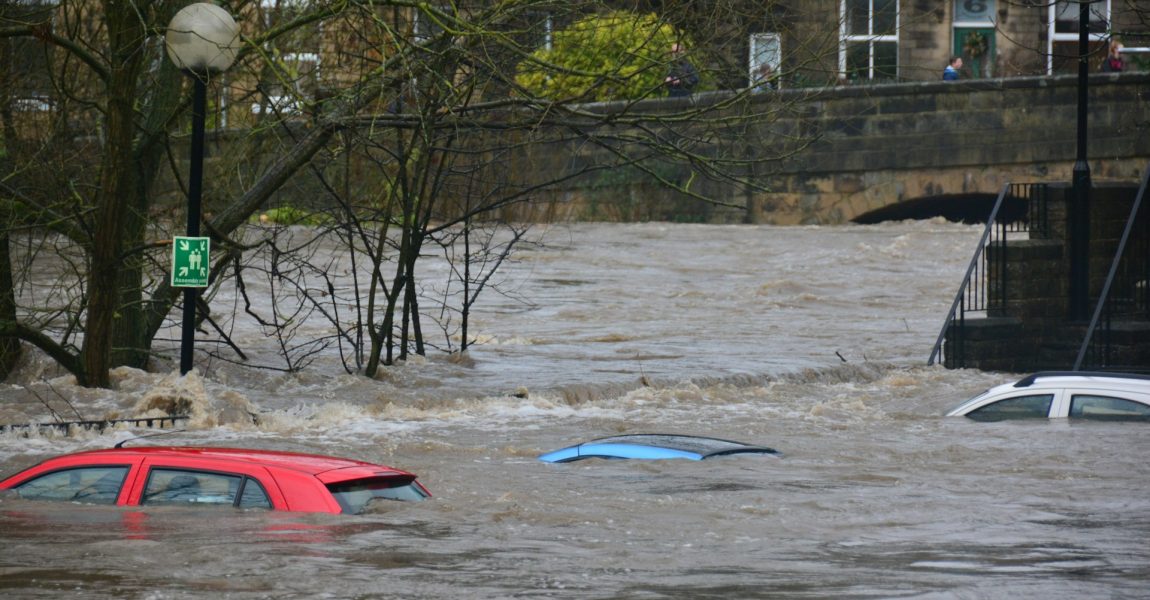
[
  {"x": 868, "y": 147},
  {"x": 1035, "y": 280},
  {"x": 1026, "y": 327},
  {"x": 856, "y": 150}
]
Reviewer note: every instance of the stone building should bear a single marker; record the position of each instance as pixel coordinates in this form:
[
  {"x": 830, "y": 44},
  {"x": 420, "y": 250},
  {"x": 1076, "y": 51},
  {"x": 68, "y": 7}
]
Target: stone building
[
  {"x": 911, "y": 40},
  {"x": 805, "y": 42}
]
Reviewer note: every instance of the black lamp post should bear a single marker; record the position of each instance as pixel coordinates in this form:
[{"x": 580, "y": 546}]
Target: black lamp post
[
  {"x": 1079, "y": 217},
  {"x": 202, "y": 39}
]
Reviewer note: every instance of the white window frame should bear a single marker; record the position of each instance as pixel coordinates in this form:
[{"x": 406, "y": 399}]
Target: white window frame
[
  {"x": 284, "y": 3},
  {"x": 547, "y": 25},
  {"x": 846, "y": 38},
  {"x": 549, "y": 32},
  {"x": 36, "y": 103},
  {"x": 301, "y": 57},
  {"x": 759, "y": 46},
  {"x": 282, "y": 104},
  {"x": 290, "y": 102},
  {"x": 1052, "y": 37},
  {"x": 418, "y": 26}
]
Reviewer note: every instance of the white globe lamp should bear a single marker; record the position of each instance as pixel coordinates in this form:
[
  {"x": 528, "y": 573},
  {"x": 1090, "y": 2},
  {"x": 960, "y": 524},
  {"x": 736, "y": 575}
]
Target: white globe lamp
[{"x": 203, "y": 39}]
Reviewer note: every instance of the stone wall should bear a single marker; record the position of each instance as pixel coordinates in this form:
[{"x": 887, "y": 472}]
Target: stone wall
[
  {"x": 1027, "y": 327},
  {"x": 873, "y": 146},
  {"x": 869, "y": 147}
]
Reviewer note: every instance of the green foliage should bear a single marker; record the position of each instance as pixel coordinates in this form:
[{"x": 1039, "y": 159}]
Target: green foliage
[{"x": 615, "y": 56}]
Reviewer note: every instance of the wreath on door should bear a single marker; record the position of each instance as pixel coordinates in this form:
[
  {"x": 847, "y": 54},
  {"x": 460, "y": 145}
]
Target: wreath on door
[{"x": 975, "y": 45}]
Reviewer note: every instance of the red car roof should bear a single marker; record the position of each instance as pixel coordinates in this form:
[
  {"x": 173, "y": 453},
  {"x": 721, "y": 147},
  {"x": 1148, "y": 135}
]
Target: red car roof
[{"x": 312, "y": 464}]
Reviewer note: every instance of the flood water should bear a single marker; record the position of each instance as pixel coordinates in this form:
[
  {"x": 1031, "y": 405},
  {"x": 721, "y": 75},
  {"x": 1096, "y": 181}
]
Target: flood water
[{"x": 811, "y": 340}]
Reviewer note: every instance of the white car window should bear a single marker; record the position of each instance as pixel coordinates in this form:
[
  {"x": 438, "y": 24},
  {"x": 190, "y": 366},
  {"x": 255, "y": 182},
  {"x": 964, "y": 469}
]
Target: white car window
[
  {"x": 1084, "y": 406},
  {"x": 1019, "y": 407}
]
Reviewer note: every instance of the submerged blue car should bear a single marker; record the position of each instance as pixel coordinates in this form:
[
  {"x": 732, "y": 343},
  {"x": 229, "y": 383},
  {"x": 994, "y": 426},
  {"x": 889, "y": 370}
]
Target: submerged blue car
[{"x": 654, "y": 446}]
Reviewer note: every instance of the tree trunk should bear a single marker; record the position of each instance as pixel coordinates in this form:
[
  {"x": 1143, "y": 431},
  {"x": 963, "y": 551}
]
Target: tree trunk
[
  {"x": 126, "y": 35},
  {"x": 9, "y": 346},
  {"x": 131, "y": 335}
]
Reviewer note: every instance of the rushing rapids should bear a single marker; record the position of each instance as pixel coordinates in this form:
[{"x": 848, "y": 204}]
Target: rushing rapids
[{"x": 811, "y": 340}]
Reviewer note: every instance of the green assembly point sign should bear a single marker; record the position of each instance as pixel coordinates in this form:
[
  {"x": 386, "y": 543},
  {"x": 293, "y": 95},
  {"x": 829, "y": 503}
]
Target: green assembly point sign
[{"x": 190, "y": 261}]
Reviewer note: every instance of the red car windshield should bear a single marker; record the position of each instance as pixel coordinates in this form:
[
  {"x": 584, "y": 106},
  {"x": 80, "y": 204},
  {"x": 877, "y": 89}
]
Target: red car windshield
[{"x": 354, "y": 496}]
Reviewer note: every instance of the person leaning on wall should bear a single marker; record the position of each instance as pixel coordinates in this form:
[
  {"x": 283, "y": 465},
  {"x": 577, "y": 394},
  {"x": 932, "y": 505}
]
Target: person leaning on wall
[
  {"x": 682, "y": 76},
  {"x": 950, "y": 73},
  {"x": 1113, "y": 62},
  {"x": 765, "y": 79}
]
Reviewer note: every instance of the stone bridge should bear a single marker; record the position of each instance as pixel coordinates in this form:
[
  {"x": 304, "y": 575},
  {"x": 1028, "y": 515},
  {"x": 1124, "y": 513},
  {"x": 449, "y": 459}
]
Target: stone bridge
[{"x": 896, "y": 151}]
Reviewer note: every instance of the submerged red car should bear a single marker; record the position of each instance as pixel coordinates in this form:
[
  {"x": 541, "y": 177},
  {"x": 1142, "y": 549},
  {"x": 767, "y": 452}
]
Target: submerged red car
[{"x": 241, "y": 478}]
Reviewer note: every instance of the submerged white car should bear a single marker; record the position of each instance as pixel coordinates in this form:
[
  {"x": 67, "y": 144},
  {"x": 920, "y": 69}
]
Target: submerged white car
[{"x": 1063, "y": 394}]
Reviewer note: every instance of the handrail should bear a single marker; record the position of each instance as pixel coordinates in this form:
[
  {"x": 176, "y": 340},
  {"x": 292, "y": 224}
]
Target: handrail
[
  {"x": 990, "y": 221},
  {"x": 98, "y": 425},
  {"x": 1104, "y": 296}
]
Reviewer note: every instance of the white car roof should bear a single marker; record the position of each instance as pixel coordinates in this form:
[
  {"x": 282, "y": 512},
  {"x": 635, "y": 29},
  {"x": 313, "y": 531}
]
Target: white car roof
[
  {"x": 1083, "y": 376},
  {"x": 1129, "y": 383},
  {"x": 1107, "y": 381}
]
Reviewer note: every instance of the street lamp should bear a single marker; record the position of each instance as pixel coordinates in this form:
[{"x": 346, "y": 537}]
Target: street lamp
[
  {"x": 1079, "y": 217},
  {"x": 202, "y": 39}
]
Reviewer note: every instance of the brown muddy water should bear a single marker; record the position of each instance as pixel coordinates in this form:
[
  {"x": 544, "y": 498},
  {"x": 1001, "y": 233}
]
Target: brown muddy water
[{"x": 811, "y": 340}]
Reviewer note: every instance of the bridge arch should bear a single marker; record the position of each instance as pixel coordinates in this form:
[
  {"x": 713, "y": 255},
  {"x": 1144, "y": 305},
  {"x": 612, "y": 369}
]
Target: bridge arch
[
  {"x": 970, "y": 208},
  {"x": 918, "y": 148}
]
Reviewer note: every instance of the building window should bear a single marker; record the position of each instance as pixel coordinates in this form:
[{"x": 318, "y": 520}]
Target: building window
[
  {"x": 1062, "y": 28},
  {"x": 868, "y": 47},
  {"x": 426, "y": 27},
  {"x": 30, "y": 59},
  {"x": 541, "y": 27},
  {"x": 1065, "y": 13},
  {"x": 766, "y": 57},
  {"x": 293, "y": 74}
]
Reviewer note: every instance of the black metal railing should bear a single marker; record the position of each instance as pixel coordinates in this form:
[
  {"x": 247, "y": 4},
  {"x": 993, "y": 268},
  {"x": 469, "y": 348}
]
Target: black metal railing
[
  {"x": 1124, "y": 293},
  {"x": 984, "y": 288},
  {"x": 94, "y": 425}
]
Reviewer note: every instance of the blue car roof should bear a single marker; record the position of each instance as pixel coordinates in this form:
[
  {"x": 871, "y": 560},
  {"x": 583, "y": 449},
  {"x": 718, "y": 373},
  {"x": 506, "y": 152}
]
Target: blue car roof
[{"x": 653, "y": 446}]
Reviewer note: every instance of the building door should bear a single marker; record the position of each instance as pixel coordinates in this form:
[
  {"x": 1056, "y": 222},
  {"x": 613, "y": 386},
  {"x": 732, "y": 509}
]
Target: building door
[
  {"x": 976, "y": 47},
  {"x": 973, "y": 23}
]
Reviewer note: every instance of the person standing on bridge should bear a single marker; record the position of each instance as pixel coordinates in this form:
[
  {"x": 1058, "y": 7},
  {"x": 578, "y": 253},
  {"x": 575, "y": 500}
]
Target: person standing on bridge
[
  {"x": 682, "y": 77},
  {"x": 950, "y": 73},
  {"x": 1113, "y": 61},
  {"x": 765, "y": 79}
]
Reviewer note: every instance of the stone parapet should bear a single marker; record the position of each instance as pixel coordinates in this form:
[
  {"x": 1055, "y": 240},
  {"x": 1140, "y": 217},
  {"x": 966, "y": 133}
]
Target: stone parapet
[{"x": 845, "y": 152}]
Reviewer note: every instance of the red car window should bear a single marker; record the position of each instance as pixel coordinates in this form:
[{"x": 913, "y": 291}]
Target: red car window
[
  {"x": 95, "y": 485},
  {"x": 183, "y": 486},
  {"x": 354, "y": 496},
  {"x": 253, "y": 495}
]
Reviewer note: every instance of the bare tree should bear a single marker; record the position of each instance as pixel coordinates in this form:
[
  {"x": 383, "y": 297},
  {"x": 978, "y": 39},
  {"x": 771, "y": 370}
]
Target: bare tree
[{"x": 423, "y": 103}]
